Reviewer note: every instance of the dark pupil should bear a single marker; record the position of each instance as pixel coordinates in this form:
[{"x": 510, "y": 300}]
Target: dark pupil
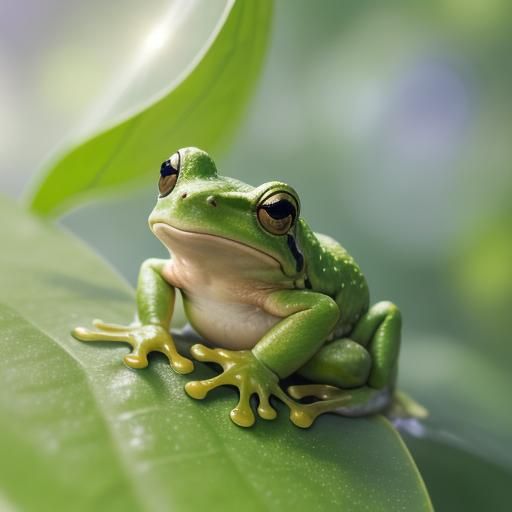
[
  {"x": 166, "y": 169},
  {"x": 280, "y": 209}
]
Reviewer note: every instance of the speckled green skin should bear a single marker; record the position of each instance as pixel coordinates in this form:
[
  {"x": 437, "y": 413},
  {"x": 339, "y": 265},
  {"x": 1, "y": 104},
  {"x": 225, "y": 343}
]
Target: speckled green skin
[
  {"x": 333, "y": 272},
  {"x": 293, "y": 303}
]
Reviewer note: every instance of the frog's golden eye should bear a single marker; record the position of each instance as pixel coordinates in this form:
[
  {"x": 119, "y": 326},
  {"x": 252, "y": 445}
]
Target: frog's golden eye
[
  {"x": 278, "y": 212},
  {"x": 169, "y": 171}
]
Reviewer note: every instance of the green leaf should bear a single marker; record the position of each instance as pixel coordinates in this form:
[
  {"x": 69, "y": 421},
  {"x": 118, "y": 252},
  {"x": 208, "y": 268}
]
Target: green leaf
[
  {"x": 459, "y": 480},
  {"x": 201, "y": 110},
  {"x": 463, "y": 390},
  {"x": 463, "y": 448},
  {"x": 101, "y": 436}
]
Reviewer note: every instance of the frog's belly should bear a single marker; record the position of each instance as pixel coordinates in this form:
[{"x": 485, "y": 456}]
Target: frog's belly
[{"x": 229, "y": 325}]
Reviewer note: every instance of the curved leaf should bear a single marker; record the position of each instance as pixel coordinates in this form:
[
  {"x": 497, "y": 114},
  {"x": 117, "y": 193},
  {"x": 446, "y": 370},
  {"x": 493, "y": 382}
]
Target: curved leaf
[
  {"x": 103, "y": 437},
  {"x": 201, "y": 110},
  {"x": 463, "y": 389},
  {"x": 460, "y": 480},
  {"x": 463, "y": 448}
]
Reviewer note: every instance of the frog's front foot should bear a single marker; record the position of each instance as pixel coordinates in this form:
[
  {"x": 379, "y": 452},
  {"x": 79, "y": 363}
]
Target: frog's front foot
[
  {"x": 243, "y": 370},
  {"x": 143, "y": 339}
]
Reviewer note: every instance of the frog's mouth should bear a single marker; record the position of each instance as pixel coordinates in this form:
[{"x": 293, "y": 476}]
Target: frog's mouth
[{"x": 204, "y": 247}]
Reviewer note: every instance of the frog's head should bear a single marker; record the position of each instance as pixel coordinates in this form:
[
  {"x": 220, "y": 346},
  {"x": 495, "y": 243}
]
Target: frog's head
[{"x": 195, "y": 199}]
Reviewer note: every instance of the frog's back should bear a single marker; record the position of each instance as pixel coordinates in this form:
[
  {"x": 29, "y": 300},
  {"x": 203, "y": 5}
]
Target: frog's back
[{"x": 331, "y": 270}]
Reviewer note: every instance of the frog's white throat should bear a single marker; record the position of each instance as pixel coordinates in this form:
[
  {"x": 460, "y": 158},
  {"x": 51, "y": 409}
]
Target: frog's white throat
[
  {"x": 224, "y": 284},
  {"x": 193, "y": 248}
]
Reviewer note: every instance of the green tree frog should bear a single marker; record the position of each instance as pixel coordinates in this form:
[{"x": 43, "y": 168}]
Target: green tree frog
[{"x": 271, "y": 298}]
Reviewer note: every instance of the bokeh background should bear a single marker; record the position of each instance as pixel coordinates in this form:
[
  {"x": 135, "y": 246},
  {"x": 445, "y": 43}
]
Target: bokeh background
[{"x": 393, "y": 120}]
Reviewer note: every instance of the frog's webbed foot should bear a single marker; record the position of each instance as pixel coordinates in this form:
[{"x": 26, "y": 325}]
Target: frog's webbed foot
[
  {"x": 330, "y": 399},
  {"x": 361, "y": 401},
  {"x": 244, "y": 371},
  {"x": 320, "y": 391},
  {"x": 143, "y": 339}
]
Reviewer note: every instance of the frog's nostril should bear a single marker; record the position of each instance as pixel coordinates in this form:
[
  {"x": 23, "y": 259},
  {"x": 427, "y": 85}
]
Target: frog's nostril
[
  {"x": 184, "y": 195},
  {"x": 211, "y": 201}
]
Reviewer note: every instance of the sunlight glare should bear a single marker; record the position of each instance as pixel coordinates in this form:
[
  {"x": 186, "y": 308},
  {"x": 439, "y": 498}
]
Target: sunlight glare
[{"x": 156, "y": 38}]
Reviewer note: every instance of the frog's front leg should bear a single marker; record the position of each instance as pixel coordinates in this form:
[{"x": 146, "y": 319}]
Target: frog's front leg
[
  {"x": 155, "y": 305},
  {"x": 307, "y": 320}
]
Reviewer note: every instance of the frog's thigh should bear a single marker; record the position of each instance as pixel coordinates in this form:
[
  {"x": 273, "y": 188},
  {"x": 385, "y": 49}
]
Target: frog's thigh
[
  {"x": 342, "y": 363},
  {"x": 379, "y": 331}
]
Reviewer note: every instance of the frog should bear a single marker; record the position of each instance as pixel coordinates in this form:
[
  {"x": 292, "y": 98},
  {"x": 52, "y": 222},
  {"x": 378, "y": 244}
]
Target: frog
[{"x": 272, "y": 301}]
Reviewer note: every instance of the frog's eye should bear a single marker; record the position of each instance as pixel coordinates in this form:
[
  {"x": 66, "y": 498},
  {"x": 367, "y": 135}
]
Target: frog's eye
[
  {"x": 278, "y": 212},
  {"x": 169, "y": 171}
]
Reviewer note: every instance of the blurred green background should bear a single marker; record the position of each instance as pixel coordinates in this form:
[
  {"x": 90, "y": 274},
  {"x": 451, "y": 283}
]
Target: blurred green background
[{"x": 391, "y": 119}]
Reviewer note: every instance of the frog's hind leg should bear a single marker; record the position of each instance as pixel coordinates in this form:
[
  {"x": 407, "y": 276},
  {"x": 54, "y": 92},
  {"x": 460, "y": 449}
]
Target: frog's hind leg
[
  {"x": 368, "y": 356},
  {"x": 379, "y": 331},
  {"x": 342, "y": 363},
  {"x": 361, "y": 401},
  {"x": 367, "y": 362}
]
